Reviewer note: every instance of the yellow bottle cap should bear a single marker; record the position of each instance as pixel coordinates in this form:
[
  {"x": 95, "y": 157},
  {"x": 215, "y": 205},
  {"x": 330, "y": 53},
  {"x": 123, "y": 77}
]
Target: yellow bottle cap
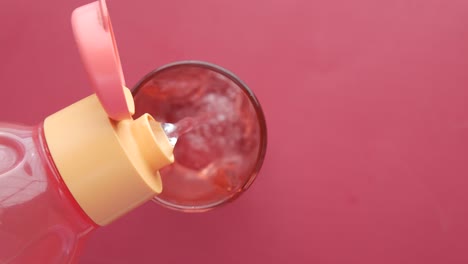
[{"x": 109, "y": 166}]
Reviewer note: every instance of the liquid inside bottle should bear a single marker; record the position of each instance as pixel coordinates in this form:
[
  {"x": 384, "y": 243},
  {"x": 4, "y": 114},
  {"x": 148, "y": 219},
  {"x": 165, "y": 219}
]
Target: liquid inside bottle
[{"x": 40, "y": 222}]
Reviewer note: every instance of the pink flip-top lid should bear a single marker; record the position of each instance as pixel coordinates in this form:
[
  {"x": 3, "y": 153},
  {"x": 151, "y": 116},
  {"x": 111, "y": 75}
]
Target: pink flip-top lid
[{"x": 96, "y": 43}]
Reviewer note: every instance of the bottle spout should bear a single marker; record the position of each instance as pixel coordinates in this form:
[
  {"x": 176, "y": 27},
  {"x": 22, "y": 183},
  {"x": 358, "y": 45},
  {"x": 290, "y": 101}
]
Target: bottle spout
[{"x": 154, "y": 144}]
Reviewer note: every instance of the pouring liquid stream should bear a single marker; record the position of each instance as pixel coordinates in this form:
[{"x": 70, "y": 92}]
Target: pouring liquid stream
[{"x": 175, "y": 130}]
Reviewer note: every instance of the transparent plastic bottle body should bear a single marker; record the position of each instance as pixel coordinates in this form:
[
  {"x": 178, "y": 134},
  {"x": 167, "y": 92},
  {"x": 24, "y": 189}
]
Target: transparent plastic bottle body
[{"x": 40, "y": 222}]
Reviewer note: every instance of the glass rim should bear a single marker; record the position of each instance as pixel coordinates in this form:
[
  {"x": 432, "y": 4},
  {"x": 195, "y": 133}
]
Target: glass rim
[{"x": 260, "y": 118}]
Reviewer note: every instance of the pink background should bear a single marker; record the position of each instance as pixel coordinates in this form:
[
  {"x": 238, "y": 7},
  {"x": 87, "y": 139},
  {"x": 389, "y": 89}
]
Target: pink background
[{"x": 367, "y": 111}]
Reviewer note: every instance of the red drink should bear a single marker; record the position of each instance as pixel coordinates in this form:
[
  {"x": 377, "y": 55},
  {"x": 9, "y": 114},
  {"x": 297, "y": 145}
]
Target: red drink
[{"x": 221, "y": 151}]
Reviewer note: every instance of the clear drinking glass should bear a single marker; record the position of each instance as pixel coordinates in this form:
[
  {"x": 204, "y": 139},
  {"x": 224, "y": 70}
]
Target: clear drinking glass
[{"x": 219, "y": 127}]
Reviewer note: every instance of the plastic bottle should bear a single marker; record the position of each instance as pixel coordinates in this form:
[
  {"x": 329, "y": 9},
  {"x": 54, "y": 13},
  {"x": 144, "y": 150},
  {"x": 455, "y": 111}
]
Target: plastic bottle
[{"x": 85, "y": 165}]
